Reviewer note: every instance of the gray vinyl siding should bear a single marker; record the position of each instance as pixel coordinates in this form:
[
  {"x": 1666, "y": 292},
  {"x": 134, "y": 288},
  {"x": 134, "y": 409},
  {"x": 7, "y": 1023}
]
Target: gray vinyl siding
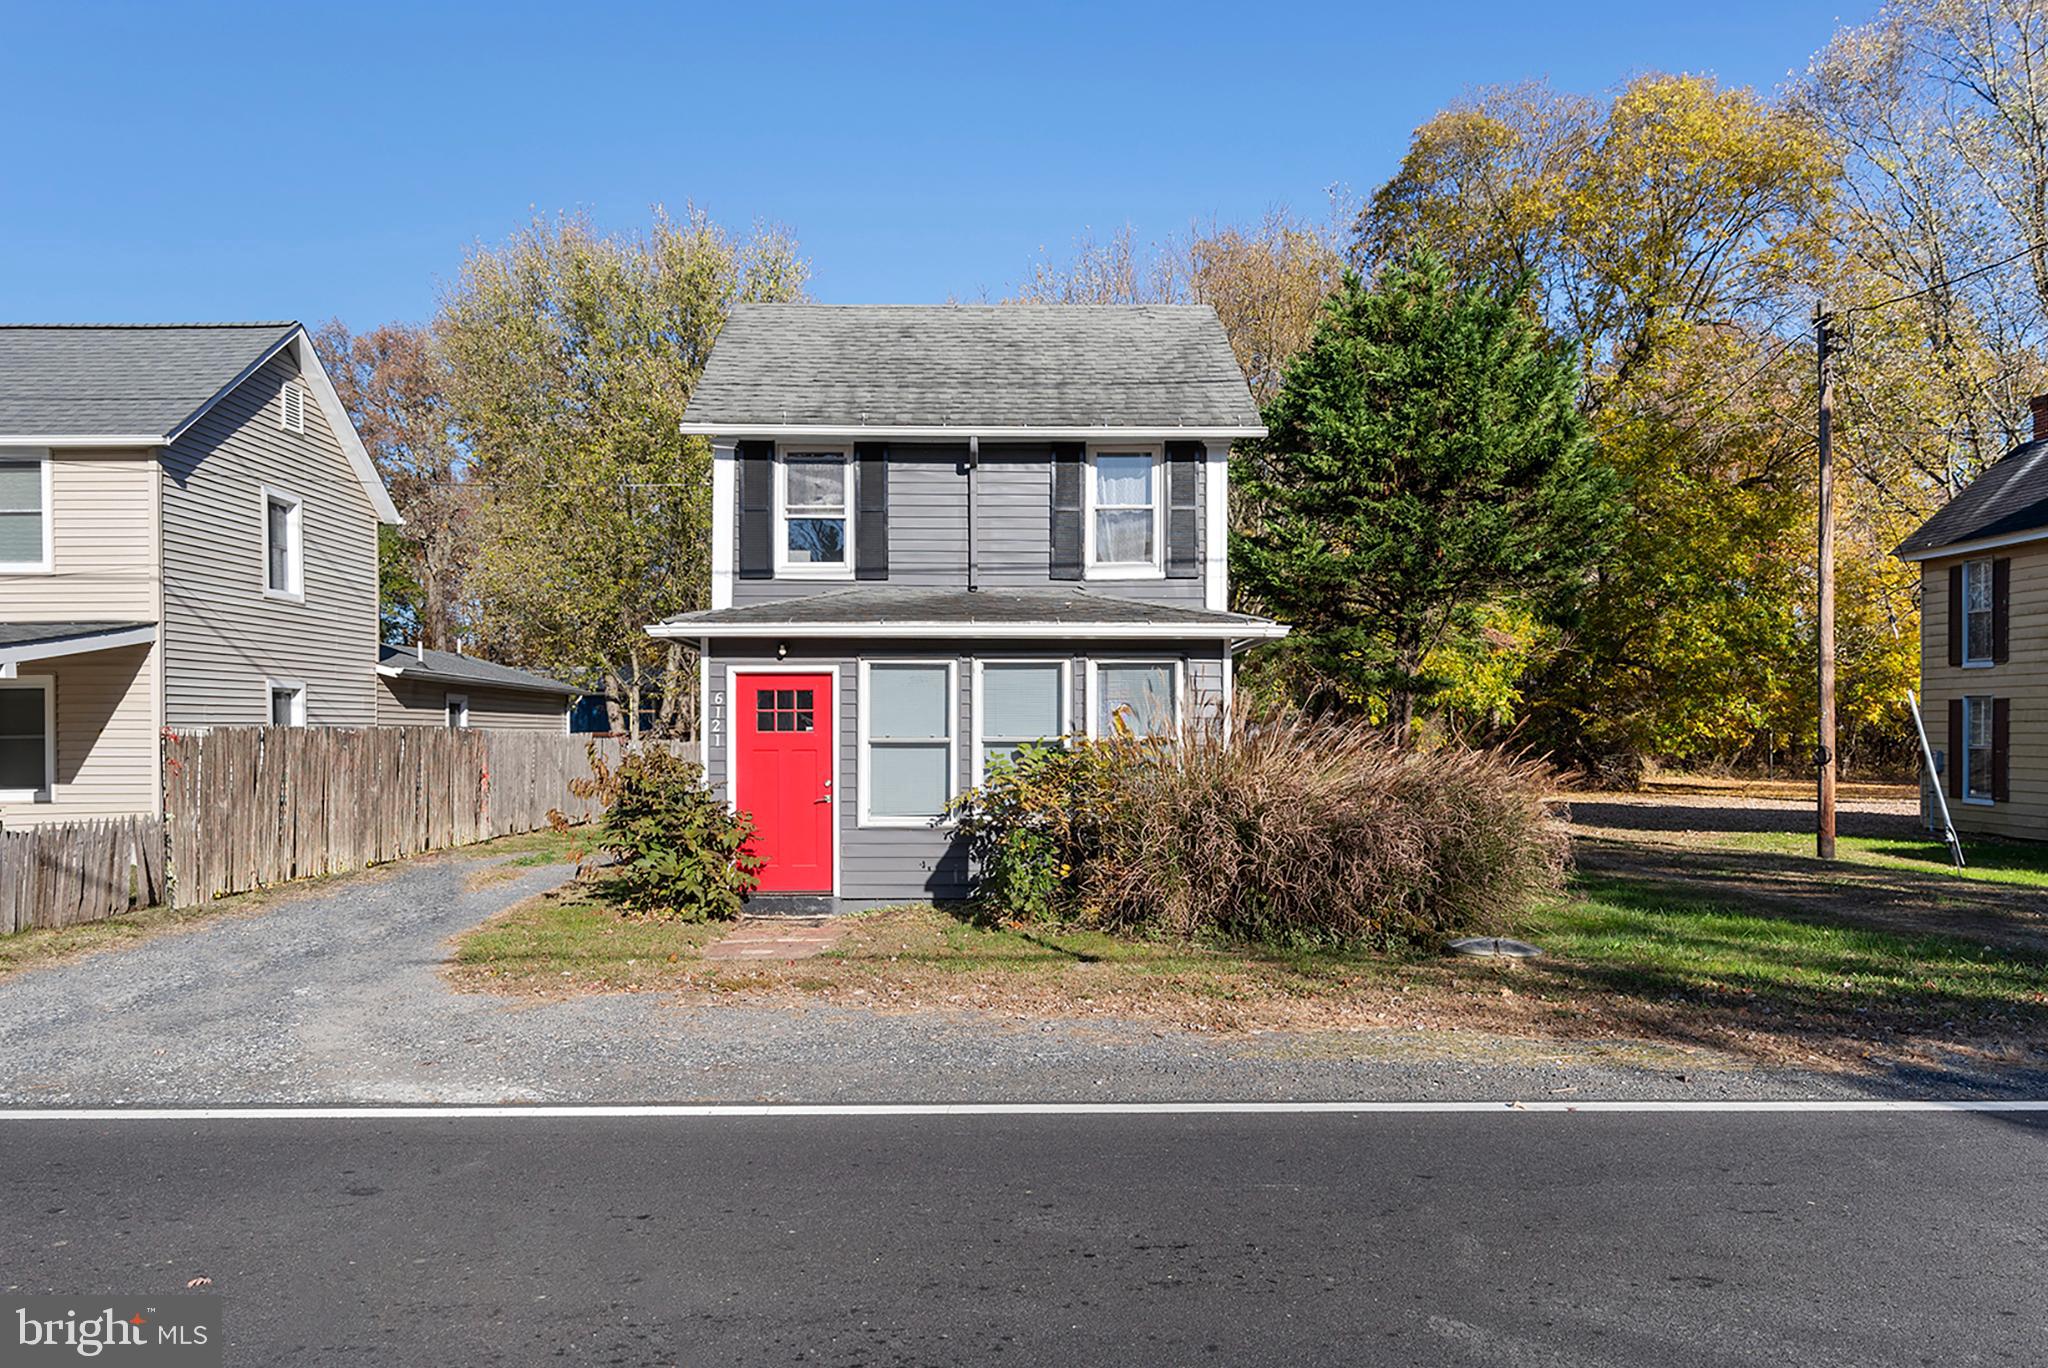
[
  {"x": 1012, "y": 533},
  {"x": 421, "y": 703},
  {"x": 222, "y": 637},
  {"x": 906, "y": 864}
]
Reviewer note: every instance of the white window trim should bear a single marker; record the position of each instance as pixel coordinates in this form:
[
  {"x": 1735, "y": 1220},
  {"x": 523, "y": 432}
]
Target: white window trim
[
  {"x": 940, "y": 823},
  {"x": 451, "y": 700},
  {"x": 296, "y": 688},
  {"x": 1971, "y": 662},
  {"x": 267, "y": 496},
  {"x": 1156, "y": 569},
  {"x": 48, "y": 792},
  {"x": 48, "y": 561},
  {"x": 1180, "y": 688},
  {"x": 731, "y": 757},
  {"x": 785, "y": 568},
  {"x": 1066, "y": 712},
  {"x": 1970, "y": 702}
]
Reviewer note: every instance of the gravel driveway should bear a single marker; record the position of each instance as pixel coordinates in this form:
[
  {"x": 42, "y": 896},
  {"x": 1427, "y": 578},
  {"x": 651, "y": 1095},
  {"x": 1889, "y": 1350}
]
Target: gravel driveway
[{"x": 332, "y": 994}]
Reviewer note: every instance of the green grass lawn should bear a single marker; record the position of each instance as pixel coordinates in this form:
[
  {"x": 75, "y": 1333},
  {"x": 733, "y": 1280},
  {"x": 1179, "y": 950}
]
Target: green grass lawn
[{"x": 1988, "y": 861}]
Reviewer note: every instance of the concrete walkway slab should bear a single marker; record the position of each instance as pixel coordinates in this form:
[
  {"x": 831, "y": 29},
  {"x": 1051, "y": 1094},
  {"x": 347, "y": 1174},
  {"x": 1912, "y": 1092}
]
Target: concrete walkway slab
[{"x": 777, "y": 938}]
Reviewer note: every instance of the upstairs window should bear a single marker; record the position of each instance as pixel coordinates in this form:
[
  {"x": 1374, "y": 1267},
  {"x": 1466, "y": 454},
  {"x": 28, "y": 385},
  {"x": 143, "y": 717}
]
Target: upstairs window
[
  {"x": 813, "y": 523},
  {"x": 283, "y": 546},
  {"x": 24, "y": 512},
  {"x": 1977, "y": 637},
  {"x": 1124, "y": 528}
]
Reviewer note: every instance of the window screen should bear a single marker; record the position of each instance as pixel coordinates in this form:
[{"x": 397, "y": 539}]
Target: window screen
[
  {"x": 910, "y": 721},
  {"x": 1141, "y": 695},
  {"x": 1022, "y": 702}
]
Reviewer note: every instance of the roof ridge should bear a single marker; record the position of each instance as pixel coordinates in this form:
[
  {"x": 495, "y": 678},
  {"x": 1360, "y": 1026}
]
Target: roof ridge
[{"x": 144, "y": 327}]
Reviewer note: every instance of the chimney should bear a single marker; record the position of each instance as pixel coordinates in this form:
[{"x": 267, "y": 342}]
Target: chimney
[{"x": 2039, "y": 405}]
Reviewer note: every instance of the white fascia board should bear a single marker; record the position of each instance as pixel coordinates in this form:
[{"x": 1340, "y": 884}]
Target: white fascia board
[
  {"x": 1965, "y": 548},
  {"x": 78, "y": 645},
  {"x": 992, "y": 631},
  {"x": 724, "y": 520},
  {"x": 955, "y": 432},
  {"x": 82, "y": 439}
]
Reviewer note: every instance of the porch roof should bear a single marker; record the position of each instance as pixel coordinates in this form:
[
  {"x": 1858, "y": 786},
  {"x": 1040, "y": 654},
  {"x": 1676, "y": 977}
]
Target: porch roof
[
  {"x": 1034, "y": 614},
  {"x": 23, "y": 641}
]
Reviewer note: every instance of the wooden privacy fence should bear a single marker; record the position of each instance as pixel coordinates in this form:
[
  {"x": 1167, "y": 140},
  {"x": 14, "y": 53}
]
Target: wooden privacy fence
[
  {"x": 253, "y": 806},
  {"x": 72, "y": 872}
]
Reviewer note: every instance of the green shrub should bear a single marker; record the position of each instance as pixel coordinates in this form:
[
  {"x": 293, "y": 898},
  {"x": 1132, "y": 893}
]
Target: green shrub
[
  {"x": 682, "y": 853},
  {"x": 1296, "y": 831}
]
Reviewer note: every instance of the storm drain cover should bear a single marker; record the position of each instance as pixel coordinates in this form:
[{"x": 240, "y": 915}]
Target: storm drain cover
[{"x": 1495, "y": 945}]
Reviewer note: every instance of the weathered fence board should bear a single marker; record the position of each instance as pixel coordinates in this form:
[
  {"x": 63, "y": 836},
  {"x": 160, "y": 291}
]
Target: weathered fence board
[
  {"x": 71, "y": 872},
  {"x": 253, "y": 806}
]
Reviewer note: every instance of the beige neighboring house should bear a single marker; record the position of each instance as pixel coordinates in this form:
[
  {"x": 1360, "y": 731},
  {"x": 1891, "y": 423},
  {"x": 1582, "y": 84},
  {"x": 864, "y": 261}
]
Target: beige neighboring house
[
  {"x": 417, "y": 687},
  {"x": 1984, "y": 642},
  {"x": 188, "y": 538}
]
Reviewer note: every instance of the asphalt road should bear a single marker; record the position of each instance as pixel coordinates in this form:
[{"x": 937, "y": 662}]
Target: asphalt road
[{"x": 1418, "y": 1239}]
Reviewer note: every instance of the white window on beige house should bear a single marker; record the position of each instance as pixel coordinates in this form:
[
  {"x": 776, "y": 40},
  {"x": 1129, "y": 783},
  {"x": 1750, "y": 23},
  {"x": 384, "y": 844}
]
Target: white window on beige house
[
  {"x": 284, "y": 546},
  {"x": 24, "y": 511},
  {"x": 287, "y": 703},
  {"x": 1978, "y": 735},
  {"x": 1977, "y": 613},
  {"x": 28, "y": 740},
  {"x": 458, "y": 711}
]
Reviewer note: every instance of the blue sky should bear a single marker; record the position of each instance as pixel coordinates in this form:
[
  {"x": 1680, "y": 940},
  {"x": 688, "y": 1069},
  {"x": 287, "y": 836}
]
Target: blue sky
[{"x": 174, "y": 162}]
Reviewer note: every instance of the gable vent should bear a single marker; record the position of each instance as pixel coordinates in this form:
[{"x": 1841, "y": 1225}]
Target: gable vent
[{"x": 293, "y": 398}]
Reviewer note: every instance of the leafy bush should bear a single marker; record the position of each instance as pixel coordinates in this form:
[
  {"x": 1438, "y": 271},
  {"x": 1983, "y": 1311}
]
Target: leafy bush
[
  {"x": 682, "y": 853},
  {"x": 1296, "y": 831}
]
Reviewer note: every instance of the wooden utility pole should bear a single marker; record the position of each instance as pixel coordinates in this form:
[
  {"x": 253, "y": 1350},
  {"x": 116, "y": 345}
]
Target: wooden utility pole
[{"x": 1824, "y": 742}]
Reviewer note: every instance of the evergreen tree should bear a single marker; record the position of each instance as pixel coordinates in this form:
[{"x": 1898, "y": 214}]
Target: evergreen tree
[{"x": 1425, "y": 458}]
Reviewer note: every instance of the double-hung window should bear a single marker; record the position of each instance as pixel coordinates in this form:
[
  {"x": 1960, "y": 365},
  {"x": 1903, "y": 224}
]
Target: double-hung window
[
  {"x": 1977, "y": 739},
  {"x": 1141, "y": 695},
  {"x": 28, "y": 743},
  {"x": 1977, "y": 637},
  {"x": 284, "y": 543},
  {"x": 814, "y": 530},
  {"x": 1125, "y": 527},
  {"x": 908, "y": 712},
  {"x": 1018, "y": 703},
  {"x": 24, "y": 511}
]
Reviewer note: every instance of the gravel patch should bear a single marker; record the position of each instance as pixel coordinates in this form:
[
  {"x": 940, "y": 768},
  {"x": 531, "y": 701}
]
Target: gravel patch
[{"x": 334, "y": 995}]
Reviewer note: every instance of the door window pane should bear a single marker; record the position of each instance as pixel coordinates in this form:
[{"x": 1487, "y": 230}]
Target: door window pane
[
  {"x": 23, "y": 739},
  {"x": 1141, "y": 695}
]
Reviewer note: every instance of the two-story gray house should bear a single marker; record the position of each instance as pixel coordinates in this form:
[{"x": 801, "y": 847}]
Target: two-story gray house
[{"x": 940, "y": 534}]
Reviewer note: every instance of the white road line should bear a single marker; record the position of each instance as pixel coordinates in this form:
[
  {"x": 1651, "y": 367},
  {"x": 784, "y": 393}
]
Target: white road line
[{"x": 945, "y": 1109}]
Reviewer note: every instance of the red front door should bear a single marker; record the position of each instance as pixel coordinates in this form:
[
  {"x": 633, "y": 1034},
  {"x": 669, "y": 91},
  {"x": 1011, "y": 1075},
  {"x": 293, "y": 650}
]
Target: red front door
[{"x": 782, "y": 757}]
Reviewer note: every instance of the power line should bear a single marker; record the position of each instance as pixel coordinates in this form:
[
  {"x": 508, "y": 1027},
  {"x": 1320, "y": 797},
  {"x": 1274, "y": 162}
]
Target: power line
[{"x": 1950, "y": 280}]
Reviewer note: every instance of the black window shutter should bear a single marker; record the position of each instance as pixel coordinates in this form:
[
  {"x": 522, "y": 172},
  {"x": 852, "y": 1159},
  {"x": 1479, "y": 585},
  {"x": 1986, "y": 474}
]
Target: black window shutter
[
  {"x": 2001, "y": 747},
  {"x": 1183, "y": 508},
  {"x": 1956, "y": 614},
  {"x": 757, "y": 510},
  {"x": 1067, "y": 469},
  {"x": 1958, "y": 744},
  {"x": 871, "y": 509},
  {"x": 2001, "y": 607}
]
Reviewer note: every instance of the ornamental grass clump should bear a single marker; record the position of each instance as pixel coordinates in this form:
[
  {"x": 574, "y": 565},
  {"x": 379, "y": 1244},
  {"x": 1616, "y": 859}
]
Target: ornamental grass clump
[{"x": 1296, "y": 831}]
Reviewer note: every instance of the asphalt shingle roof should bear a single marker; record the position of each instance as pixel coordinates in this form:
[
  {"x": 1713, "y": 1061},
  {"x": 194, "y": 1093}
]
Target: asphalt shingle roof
[
  {"x": 452, "y": 668},
  {"x": 2010, "y": 497},
  {"x": 40, "y": 633},
  {"x": 1153, "y": 366},
  {"x": 120, "y": 379},
  {"x": 989, "y": 609}
]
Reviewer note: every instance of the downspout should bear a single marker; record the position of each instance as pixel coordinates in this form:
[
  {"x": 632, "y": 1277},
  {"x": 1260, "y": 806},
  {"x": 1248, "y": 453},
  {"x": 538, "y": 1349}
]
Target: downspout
[{"x": 973, "y": 464}]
